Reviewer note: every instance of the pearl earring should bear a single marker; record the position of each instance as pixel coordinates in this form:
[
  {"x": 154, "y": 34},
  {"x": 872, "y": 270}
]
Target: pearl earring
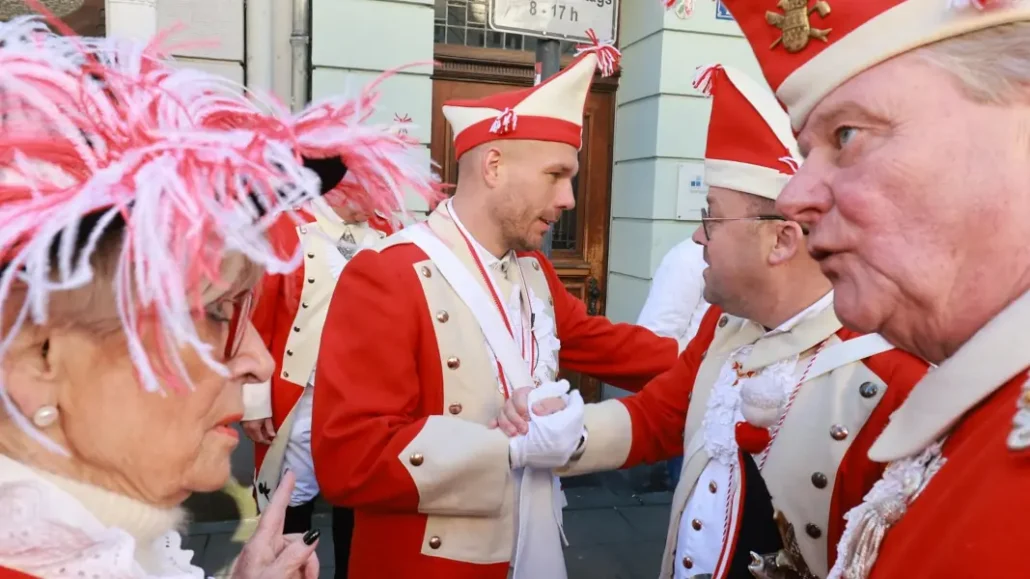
[{"x": 44, "y": 417}]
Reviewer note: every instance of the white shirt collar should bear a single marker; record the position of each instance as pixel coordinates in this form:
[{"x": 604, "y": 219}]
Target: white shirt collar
[
  {"x": 813, "y": 310},
  {"x": 488, "y": 259}
]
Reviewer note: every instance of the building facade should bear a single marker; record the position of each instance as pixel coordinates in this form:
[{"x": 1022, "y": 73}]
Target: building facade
[{"x": 641, "y": 185}]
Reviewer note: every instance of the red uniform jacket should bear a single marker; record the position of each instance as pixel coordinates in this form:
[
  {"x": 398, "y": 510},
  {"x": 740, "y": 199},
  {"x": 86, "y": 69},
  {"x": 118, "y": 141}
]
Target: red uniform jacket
[
  {"x": 971, "y": 520},
  {"x": 273, "y": 316},
  {"x": 377, "y": 388},
  {"x": 659, "y": 411}
]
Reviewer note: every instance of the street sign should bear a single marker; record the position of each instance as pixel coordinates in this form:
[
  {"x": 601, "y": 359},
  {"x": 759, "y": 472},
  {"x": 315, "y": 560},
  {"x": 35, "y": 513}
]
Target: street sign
[
  {"x": 691, "y": 190},
  {"x": 721, "y": 12},
  {"x": 557, "y": 19}
]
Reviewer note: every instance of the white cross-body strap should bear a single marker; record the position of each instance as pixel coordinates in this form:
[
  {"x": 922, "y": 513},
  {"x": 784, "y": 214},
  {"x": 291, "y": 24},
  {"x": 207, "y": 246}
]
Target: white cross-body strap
[
  {"x": 844, "y": 353},
  {"x": 482, "y": 306}
]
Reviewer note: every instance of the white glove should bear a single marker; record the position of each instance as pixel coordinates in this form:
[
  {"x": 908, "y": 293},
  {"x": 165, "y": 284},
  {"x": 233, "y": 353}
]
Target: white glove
[{"x": 551, "y": 439}]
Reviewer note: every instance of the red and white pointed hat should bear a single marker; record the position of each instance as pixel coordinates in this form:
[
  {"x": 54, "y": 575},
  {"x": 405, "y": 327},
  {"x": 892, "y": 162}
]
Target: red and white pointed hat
[
  {"x": 808, "y": 48},
  {"x": 751, "y": 147},
  {"x": 550, "y": 111}
]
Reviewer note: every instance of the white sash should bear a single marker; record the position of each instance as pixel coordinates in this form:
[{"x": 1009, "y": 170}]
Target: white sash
[
  {"x": 844, "y": 353},
  {"x": 538, "y": 549}
]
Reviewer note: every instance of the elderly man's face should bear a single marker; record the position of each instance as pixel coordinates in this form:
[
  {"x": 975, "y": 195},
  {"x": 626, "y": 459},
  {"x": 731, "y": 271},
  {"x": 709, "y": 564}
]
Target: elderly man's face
[{"x": 911, "y": 190}]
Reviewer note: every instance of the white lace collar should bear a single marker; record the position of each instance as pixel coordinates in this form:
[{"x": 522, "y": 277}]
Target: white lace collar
[
  {"x": 44, "y": 518},
  {"x": 144, "y": 522}
]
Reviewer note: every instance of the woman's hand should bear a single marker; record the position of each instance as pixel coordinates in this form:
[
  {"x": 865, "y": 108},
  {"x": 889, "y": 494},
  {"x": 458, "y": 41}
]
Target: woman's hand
[{"x": 271, "y": 555}]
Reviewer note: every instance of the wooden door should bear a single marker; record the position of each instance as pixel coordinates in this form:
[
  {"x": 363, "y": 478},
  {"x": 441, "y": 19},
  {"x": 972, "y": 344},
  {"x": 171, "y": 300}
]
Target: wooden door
[
  {"x": 86, "y": 17},
  {"x": 89, "y": 19},
  {"x": 580, "y": 246}
]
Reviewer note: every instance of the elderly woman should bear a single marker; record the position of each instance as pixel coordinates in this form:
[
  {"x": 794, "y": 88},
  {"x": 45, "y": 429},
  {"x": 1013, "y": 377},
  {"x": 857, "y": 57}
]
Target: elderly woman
[{"x": 133, "y": 233}]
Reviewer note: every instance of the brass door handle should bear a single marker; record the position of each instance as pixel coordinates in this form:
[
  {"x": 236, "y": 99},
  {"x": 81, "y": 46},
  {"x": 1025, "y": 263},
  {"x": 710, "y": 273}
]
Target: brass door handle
[{"x": 593, "y": 296}]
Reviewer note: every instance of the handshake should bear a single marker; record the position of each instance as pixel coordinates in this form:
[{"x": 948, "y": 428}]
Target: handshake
[{"x": 545, "y": 425}]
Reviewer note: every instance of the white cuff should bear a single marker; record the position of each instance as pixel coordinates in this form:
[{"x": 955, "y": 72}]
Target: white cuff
[{"x": 257, "y": 401}]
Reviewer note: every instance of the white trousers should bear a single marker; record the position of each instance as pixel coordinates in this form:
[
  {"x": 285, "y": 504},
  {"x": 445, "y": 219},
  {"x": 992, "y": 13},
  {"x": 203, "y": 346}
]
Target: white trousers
[{"x": 297, "y": 457}]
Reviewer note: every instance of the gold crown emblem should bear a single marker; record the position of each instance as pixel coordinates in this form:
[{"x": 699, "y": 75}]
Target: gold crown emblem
[{"x": 795, "y": 25}]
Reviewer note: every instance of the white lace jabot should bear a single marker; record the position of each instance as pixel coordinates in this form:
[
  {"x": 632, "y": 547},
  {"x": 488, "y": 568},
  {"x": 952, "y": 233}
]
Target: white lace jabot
[{"x": 55, "y": 528}]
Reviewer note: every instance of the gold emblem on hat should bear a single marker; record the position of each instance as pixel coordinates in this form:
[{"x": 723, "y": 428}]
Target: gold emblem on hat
[{"x": 794, "y": 22}]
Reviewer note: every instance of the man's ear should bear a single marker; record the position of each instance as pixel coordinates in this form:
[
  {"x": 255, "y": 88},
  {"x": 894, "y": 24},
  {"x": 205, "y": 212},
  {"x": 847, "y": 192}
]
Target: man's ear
[
  {"x": 30, "y": 377},
  {"x": 789, "y": 238},
  {"x": 491, "y": 166}
]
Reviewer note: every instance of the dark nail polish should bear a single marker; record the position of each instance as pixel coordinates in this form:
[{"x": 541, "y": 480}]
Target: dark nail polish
[{"x": 311, "y": 536}]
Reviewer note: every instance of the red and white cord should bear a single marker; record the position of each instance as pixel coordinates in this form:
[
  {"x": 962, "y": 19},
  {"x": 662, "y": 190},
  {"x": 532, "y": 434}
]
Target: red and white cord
[{"x": 790, "y": 402}]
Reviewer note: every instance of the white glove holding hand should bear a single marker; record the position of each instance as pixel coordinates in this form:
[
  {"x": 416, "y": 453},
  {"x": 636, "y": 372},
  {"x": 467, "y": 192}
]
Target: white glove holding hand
[{"x": 552, "y": 439}]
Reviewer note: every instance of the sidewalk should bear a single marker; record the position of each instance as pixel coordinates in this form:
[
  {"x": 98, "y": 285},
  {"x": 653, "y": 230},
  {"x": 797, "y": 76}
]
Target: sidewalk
[{"x": 615, "y": 524}]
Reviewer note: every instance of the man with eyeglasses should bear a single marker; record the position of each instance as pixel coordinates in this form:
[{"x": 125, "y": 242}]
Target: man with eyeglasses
[
  {"x": 773, "y": 404},
  {"x": 289, "y": 315}
]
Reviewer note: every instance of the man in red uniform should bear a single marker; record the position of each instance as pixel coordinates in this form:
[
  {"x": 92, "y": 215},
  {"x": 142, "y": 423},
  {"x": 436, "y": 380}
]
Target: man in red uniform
[
  {"x": 773, "y": 405},
  {"x": 913, "y": 116},
  {"x": 289, "y": 316},
  {"x": 454, "y": 314}
]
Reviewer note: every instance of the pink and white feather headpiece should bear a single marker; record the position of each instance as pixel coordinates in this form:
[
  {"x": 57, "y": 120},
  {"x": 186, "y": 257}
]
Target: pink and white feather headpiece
[
  {"x": 85, "y": 145},
  {"x": 383, "y": 164}
]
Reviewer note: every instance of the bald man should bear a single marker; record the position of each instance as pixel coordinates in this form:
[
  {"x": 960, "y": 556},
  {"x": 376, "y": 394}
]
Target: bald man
[{"x": 456, "y": 314}]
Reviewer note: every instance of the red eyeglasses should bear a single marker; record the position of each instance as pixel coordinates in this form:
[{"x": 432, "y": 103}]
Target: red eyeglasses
[{"x": 241, "y": 307}]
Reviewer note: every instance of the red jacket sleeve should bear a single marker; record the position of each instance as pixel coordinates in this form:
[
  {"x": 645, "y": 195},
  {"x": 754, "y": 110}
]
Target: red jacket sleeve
[
  {"x": 659, "y": 411},
  {"x": 367, "y": 388},
  {"x": 857, "y": 474},
  {"x": 6, "y": 573},
  {"x": 624, "y": 355}
]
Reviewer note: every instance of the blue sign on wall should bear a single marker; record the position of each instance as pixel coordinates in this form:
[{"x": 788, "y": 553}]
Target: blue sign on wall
[{"x": 721, "y": 12}]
